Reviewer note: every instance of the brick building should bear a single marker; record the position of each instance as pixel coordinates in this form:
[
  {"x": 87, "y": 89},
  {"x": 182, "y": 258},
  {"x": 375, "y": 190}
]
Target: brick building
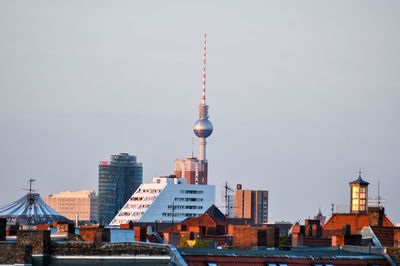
[
  {"x": 206, "y": 226},
  {"x": 192, "y": 169},
  {"x": 356, "y": 221}
]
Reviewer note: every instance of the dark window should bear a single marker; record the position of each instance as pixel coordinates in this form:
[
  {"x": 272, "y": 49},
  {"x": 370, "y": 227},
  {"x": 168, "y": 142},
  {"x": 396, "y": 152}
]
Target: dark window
[
  {"x": 183, "y": 227},
  {"x": 202, "y": 230}
]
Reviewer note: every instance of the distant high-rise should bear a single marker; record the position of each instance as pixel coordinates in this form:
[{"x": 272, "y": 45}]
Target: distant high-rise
[
  {"x": 192, "y": 169},
  {"x": 251, "y": 204},
  {"x": 118, "y": 180},
  {"x": 80, "y": 205}
]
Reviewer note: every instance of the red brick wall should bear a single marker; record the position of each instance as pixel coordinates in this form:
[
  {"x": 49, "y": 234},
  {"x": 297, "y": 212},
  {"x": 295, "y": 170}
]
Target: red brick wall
[
  {"x": 12, "y": 253},
  {"x": 397, "y": 237},
  {"x": 244, "y": 238},
  {"x": 65, "y": 228},
  {"x": 43, "y": 227},
  {"x": 357, "y": 222},
  {"x": 140, "y": 234},
  {"x": 126, "y": 226},
  {"x": 297, "y": 239},
  {"x": 38, "y": 239},
  {"x": 103, "y": 235},
  {"x": 87, "y": 232}
]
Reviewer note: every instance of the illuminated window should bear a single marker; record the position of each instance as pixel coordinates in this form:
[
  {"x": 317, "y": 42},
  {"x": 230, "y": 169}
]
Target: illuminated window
[{"x": 355, "y": 192}]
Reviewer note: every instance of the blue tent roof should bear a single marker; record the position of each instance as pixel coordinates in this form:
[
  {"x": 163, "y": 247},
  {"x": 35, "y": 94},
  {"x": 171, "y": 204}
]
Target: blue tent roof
[{"x": 30, "y": 209}]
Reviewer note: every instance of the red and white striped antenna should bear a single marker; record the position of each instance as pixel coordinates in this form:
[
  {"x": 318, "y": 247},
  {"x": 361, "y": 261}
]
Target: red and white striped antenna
[{"x": 204, "y": 70}]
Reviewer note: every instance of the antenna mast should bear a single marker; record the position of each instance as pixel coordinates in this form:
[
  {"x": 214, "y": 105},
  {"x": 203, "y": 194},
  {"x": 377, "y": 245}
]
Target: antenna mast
[
  {"x": 379, "y": 195},
  {"x": 30, "y": 191},
  {"x": 204, "y": 70},
  {"x": 226, "y": 206}
]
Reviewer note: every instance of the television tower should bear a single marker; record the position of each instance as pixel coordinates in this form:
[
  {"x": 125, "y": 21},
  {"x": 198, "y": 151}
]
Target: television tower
[{"x": 203, "y": 127}]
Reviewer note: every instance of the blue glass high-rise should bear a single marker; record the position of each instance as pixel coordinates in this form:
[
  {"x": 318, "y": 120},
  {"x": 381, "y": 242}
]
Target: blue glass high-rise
[{"x": 118, "y": 180}]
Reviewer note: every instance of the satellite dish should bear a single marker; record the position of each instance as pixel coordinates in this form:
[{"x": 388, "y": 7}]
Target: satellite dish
[{"x": 149, "y": 230}]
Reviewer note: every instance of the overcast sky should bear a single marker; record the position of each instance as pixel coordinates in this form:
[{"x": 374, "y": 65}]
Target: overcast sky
[{"x": 302, "y": 95}]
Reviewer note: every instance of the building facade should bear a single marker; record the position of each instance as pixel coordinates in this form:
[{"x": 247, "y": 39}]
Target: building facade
[
  {"x": 81, "y": 205},
  {"x": 118, "y": 180},
  {"x": 192, "y": 169},
  {"x": 166, "y": 199},
  {"x": 251, "y": 204}
]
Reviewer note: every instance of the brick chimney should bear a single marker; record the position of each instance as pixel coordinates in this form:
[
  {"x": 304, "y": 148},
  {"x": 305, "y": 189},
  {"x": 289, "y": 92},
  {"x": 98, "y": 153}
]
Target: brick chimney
[{"x": 376, "y": 216}]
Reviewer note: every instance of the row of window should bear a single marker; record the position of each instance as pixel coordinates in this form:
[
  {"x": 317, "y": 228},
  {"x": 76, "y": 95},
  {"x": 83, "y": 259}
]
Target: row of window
[
  {"x": 192, "y": 191},
  {"x": 149, "y": 190},
  {"x": 168, "y": 214},
  {"x": 188, "y": 199},
  {"x": 177, "y": 207}
]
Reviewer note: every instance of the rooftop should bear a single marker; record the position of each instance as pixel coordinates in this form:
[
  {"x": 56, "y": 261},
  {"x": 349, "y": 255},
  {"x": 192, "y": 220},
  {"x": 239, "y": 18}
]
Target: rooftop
[{"x": 295, "y": 252}]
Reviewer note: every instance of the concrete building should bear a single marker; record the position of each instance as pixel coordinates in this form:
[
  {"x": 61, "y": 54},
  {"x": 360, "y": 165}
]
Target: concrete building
[
  {"x": 80, "y": 204},
  {"x": 167, "y": 199},
  {"x": 192, "y": 169},
  {"x": 251, "y": 204},
  {"x": 118, "y": 180}
]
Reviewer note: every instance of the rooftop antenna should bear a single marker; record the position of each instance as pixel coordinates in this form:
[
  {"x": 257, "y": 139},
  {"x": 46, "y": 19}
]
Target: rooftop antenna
[
  {"x": 333, "y": 227},
  {"x": 204, "y": 70},
  {"x": 227, "y": 188},
  {"x": 30, "y": 199},
  {"x": 30, "y": 191},
  {"x": 379, "y": 195}
]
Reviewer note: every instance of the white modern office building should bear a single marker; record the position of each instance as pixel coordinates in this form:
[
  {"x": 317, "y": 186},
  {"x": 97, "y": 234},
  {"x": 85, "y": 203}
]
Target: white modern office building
[{"x": 167, "y": 199}]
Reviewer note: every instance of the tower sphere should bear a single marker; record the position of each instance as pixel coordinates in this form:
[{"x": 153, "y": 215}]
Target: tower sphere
[{"x": 203, "y": 128}]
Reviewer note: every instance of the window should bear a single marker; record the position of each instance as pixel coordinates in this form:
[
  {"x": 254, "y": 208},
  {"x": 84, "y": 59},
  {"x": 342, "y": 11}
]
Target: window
[
  {"x": 355, "y": 192},
  {"x": 211, "y": 263},
  {"x": 183, "y": 227}
]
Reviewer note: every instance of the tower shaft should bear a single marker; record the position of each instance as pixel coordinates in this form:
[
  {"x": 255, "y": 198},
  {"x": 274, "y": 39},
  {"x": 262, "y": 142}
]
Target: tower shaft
[{"x": 202, "y": 152}]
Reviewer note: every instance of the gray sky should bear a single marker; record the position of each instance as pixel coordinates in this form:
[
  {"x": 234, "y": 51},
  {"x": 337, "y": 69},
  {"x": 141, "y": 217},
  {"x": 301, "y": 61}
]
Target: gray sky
[{"x": 302, "y": 95}]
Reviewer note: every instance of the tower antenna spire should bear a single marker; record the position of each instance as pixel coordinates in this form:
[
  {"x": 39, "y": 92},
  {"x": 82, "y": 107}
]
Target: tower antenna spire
[{"x": 204, "y": 70}]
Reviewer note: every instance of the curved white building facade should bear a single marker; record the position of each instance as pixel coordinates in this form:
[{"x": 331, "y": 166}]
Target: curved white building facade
[{"x": 166, "y": 200}]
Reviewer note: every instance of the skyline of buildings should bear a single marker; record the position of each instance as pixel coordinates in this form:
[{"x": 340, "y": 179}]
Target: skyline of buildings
[{"x": 118, "y": 180}]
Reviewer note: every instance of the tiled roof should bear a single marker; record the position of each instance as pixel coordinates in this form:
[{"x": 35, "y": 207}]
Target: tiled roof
[
  {"x": 385, "y": 235},
  {"x": 295, "y": 252},
  {"x": 356, "y": 222}
]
